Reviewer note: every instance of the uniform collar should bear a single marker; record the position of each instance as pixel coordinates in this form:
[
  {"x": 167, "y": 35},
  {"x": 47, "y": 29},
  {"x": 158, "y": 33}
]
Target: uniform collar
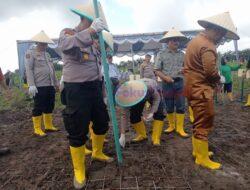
[
  {"x": 169, "y": 51},
  {"x": 203, "y": 34}
]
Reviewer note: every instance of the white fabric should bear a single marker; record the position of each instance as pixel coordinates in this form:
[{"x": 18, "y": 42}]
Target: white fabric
[
  {"x": 32, "y": 91},
  {"x": 122, "y": 140},
  {"x": 98, "y": 25}
]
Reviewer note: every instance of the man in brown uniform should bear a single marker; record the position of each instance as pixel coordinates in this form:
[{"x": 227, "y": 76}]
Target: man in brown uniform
[
  {"x": 83, "y": 89},
  {"x": 201, "y": 78}
]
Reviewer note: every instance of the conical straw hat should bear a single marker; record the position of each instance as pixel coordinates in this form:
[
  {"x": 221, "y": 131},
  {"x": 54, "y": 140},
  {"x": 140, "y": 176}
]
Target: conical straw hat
[
  {"x": 108, "y": 38},
  {"x": 224, "y": 21},
  {"x": 42, "y": 38},
  {"x": 173, "y": 33},
  {"x": 87, "y": 11},
  {"x": 131, "y": 93}
]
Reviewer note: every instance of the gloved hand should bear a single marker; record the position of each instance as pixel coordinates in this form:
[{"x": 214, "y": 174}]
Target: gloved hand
[
  {"x": 61, "y": 85},
  {"x": 105, "y": 99},
  {"x": 32, "y": 91},
  {"x": 98, "y": 25},
  {"x": 149, "y": 117},
  {"x": 222, "y": 79},
  {"x": 122, "y": 140}
]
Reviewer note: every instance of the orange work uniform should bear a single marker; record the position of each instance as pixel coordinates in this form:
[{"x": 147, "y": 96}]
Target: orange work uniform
[{"x": 201, "y": 77}]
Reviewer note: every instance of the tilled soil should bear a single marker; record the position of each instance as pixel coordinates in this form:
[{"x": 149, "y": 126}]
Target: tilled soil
[{"x": 44, "y": 163}]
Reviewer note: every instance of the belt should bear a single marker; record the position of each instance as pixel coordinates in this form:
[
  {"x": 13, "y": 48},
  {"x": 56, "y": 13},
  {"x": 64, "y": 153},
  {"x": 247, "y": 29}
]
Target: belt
[{"x": 84, "y": 84}]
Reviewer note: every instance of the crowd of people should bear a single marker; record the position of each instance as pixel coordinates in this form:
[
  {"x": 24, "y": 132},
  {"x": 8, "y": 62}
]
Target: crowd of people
[{"x": 174, "y": 78}]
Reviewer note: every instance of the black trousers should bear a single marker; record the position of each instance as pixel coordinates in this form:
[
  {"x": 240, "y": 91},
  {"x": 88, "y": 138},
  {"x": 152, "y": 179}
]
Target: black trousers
[
  {"x": 136, "y": 112},
  {"x": 84, "y": 103},
  {"x": 44, "y": 101}
]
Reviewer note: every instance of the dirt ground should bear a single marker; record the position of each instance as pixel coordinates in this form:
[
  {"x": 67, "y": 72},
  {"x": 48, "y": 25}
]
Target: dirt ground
[{"x": 44, "y": 163}]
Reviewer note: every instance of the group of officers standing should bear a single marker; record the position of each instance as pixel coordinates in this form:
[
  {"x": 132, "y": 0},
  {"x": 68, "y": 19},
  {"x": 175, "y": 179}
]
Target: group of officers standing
[{"x": 193, "y": 75}]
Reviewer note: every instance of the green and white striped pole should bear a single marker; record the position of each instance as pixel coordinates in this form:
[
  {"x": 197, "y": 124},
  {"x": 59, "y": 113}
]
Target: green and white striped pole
[{"x": 108, "y": 88}]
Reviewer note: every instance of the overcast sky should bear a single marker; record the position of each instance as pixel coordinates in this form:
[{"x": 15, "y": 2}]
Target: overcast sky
[{"x": 22, "y": 19}]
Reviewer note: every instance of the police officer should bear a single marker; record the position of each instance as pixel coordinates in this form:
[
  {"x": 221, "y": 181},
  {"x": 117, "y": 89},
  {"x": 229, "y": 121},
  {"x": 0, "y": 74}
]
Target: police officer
[
  {"x": 168, "y": 66},
  {"x": 147, "y": 69},
  {"x": 83, "y": 89},
  {"x": 42, "y": 83},
  {"x": 132, "y": 96}
]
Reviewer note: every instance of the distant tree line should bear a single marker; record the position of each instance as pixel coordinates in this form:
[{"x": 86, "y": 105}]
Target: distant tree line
[{"x": 243, "y": 54}]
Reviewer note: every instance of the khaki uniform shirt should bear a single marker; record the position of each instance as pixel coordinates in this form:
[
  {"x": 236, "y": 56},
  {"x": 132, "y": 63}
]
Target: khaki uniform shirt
[
  {"x": 147, "y": 71},
  {"x": 39, "y": 68},
  {"x": 200, "y": 69},
  {"x": 81, "y": 59},
  {"x": 170, "y": 63}
]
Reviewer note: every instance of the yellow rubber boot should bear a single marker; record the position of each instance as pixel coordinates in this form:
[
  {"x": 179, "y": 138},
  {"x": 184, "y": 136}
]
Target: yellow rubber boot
[
  {"x": 87, "y": 151},
  {"x": 140, "y": 130},
  {"x": 91, "y": 132},
  {"x": 157, "y": 130},
  {"x": 248, "y": 100},
  {"x": 78, "y": 160},
  {"x": 171, "y": 123},
  {"x": 180, "y": 125},
  {"x": 97, "y": 147},
  {"x": 47, "y": 119},
  {"x": 194, "y": 153},
  {"x": 37, "y": 123},
  {"x": 191, "y": 114},
  {"x": 202, "y": 157},
  {"x": 230, "y": 96}
]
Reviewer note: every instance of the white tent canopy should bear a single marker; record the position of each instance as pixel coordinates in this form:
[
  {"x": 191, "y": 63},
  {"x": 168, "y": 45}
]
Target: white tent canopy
[
  {"x": 124, "y": 45},
  {"x": 143, "y": 43}
]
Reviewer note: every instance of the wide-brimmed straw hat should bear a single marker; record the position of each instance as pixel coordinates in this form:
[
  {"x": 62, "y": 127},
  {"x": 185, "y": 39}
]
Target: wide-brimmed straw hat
[
  {"x": 131, "y": 93},
  {"x": 223, "y": 21},
  {"x": 108, "y": 39},
  {"x": 42, "y": 37},
  {"x": 173, "y": 33},
  {"x": 87, "y": 10}
]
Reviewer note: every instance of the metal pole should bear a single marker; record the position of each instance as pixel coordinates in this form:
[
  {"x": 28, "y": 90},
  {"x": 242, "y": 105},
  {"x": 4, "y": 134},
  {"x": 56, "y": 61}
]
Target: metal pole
[{"x": 108, "y": 88}]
